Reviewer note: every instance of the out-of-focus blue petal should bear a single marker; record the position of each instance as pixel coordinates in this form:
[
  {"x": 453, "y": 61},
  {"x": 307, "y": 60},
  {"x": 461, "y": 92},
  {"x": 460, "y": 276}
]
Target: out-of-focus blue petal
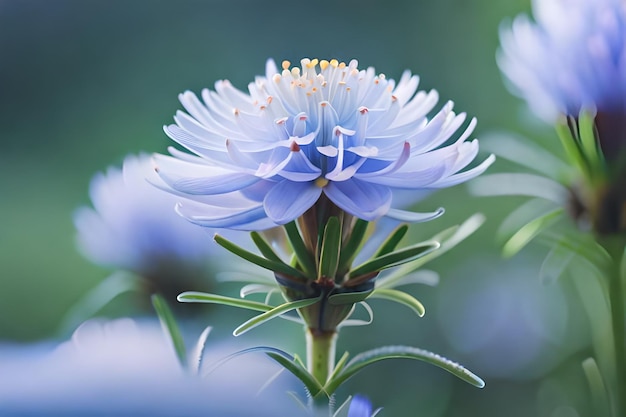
[{"x": 360, "y": 407}]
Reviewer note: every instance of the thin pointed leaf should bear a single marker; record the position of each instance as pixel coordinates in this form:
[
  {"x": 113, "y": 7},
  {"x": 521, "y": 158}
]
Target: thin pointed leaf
[
  {"x": 170, "y": 327},
  {"x": 391, "y": 243},
  {"x": 422, "y": 276},
  {"x": 348, "y": 297},
  {"x": 529, "y": 185},
  {"x": 584, "y": 246},
  {"x": 250, "y": 289},
  {"x": 283, "y": 358},
  {"x": 238, "y": 276},
  {"x": 299, "y": 249},
  {"x": 400, "y": 297},
  {"x": 331, "y": 248},
  {"x": 273, "y": 266},
  {"x": 273, "y": 313},
  {"x": 264, "y": 247},
  {"x": 531, "y": 229},
  {"x": 342, "y": 410},
  {"x": 290, "y": 364},
  {"x": 358, "y": 322},
  {"x": 341, "y": 363},
  {"x": 294, "y": 396},
  {"x": 570, "y": 144},
  {"x": 351, "y": 248},
  {"x": 523, "y": 214},
  {"x": 555, "y": 263},
  {"x": 599, "y": 393},
  {"x": 270, "y": 380},
  {"x": 197, "y": 354},
  {"x": 589, "y": 144},
  {"x": 449, "y": 238},
  {"x": 393, "y": 352},
  {"x": 97, "y": 298},
  {"x": 526, "y": 153},
  {"x": 202, "y": 297},
  {"x": 396, "y": 258}
]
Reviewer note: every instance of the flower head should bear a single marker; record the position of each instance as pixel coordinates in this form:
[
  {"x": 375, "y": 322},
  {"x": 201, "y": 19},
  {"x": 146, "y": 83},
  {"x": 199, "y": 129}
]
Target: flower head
[
  {"x": 571, "y": 68},
  {"x": 128, "y": 368},
  {"x": 573, "y": 57},
  {"x": 133, "y": 227},
  {"x": 323, "y": 130}
]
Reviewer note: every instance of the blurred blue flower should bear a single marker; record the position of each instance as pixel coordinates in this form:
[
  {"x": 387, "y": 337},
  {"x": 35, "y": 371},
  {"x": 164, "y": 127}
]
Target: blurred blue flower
[
  {"x": 573, "y": 57},
  {"x": 133, "y": 225},
  {"x": 360, "y": 407},
  {"x": 326, "y": 129},
  {"x": 126, "y": 368}
]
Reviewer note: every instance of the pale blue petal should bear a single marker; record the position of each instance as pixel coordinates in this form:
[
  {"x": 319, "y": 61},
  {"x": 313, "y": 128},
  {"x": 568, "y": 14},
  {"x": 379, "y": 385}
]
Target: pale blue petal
[
  {"x": 242, "y": 219},
  {"x": 466, "y": 175},
  {"x": 361, "y": 199},
  {"x": 288, "y": 200},
  {"x": 218, "y": 184},
  {"x": 413, "y": 217},
  {"x": 360, "y": 407}
]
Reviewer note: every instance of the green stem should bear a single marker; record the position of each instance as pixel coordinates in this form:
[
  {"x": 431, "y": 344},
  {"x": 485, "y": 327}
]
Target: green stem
[
  {"x": 616, "y": 299},
  {"x": 320, "y": 350}
]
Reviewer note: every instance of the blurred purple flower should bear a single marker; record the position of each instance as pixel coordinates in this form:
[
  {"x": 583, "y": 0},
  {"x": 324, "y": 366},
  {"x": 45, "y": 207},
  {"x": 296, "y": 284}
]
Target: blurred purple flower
[
  {"x": 572, "y": 58},
  {"x": 133, "y": 225},
  {"x": 127, "y": 368},
  {"x": 326, "y": 129},
  {"x": 360, "y": 407}
]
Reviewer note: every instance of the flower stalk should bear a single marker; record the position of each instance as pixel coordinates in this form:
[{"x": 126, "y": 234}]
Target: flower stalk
[{"x": 320, "y": 351}]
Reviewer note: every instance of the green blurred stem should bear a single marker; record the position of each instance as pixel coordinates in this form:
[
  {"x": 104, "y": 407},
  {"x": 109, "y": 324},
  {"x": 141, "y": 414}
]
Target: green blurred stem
[
  {"x": 320, "y": 350},
  {"x": 615, "y": 247}
]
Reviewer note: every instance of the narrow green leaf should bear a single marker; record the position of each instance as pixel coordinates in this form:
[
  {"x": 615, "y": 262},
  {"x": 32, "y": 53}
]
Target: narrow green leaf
[
  {"x": 529, "y": 185},
  {"x": 392, "y": 241},
  {"x": 589, "y": 143},
  {"x": 555, "y": 263},
  {"x": 531, "y": 229},
  {"x": 351, "y": 248},
  {"x": 395, "y": 352},
  {"x": 583, "y": 245},
  {"x": 273, "y": 313},
  {"x": 305, "y": 259},
  {"x": 400, "y": 297},
  {"x": 348, "y": 297},
  {"x": 272, "y": 265},
  {"x": 526, "y": 153},
  {"x": 350, "y": 322},
  {"x": 202, "y": 297},
  {"x": 170, "y": 327},
  {"x": 341, "y": 363},
  {"x": 599, "y": 393},
  {"x": 264, "y": 247},
  {"x": 342, "y": 410},
  {"x": 570, "y": 144},
  {"x": 396, "y": 258},
  {"x": 290, "y": 364},
  {"x": 331, "y": 248},
  {"x": 197, "y": 354},
  {"x": 422, "y": 276},
  {"x": 449, "y": 238},
  {"x": 250, "y": 289},
  {"x": 97, "y": 298},
  {"x": 523, "y": 214}
]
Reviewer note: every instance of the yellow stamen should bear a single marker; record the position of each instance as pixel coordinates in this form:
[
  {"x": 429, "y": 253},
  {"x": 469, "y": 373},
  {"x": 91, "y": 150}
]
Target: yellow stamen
[
  {"x": 323, "y": 64},
  {"x": 321, "y": 182},
  {"x": 334, "y": 63},
  {"x": 286, "y": 64}
]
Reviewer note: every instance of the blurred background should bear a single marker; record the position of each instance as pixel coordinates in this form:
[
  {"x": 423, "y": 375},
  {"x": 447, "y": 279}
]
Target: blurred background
[{"x": 82, "y": 84}]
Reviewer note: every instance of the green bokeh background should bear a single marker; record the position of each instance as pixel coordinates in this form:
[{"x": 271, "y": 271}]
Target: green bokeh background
[{"x": 83, "y": 83}]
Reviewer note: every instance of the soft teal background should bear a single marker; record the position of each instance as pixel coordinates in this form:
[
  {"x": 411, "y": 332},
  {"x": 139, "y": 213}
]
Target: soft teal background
[{"x": 83, "y": 83}]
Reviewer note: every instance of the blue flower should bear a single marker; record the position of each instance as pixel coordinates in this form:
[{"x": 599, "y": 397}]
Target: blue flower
[
  {"x": 325, "y": 130},
  {"x": 133, "y": 225},
  {"x": 572, "y": 58},
  {"x": 360, "y": 407},
  {"x": 128, "y": 368}
]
